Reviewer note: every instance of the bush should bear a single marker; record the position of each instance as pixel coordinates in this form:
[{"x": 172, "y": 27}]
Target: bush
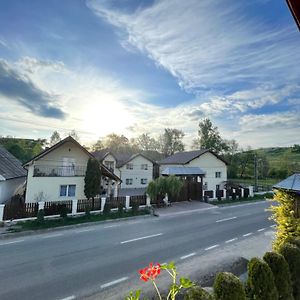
[
  {"x": 291, "y": 253},
  {"x": 228, "y": 287},
  {"x": 106, "y": 209},
  {"x": 63, "y": 211},
  {"x": 261, "y": 285},
  {"x": 281, "y": 273},
  {"x": 40, "y": 218},
  {"x": 197, "y": 293},
  {"x": 120, "y": 209},
  {"x": 135, "y": 208},
  {"x": 87, "y": 211},
  {"x": 294, "y": 241}
]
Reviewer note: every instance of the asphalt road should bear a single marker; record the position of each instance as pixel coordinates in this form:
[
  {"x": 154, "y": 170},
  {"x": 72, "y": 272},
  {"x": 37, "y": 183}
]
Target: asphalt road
[{"x": 73, "y": 263}]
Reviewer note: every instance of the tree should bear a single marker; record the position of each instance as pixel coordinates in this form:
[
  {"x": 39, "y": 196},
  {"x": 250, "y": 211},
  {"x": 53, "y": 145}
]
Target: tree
[
  {"x": 147, "y": 143},
  {"x": 171, "y": 141},
  {"x": 55, "y": 138},
  {"x": 98, "y": 145},
  {"x": 92, "y": 179},
  {"x": 209, "y": 137},
  {"x": 117, "y": 143},
  {"x": 74, "y": 135}
]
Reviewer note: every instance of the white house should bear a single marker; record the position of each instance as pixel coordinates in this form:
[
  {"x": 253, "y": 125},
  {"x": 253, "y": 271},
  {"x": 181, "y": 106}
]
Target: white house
[
  {"x": 135, "y": 171},
  {"x": 58, "y": 173},
  {"x": 214, "y": 167},
  {"x": 12, "y": 175}
]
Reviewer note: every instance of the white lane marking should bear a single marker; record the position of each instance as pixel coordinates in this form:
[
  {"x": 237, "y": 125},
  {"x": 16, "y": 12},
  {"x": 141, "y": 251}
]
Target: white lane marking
[
  {"x": 51, "y": 236},
  {"x": 141, "y": 238},
  {"x": 224, "y": 220},
  {"x": 272, "y": 226},
  {"x": 69, "y": 298},
  {"x": 85, "y": 230},
  {"x": 211, "y": 247},
  {"x": 230, "y": 241},
  {"x": 111, "y": 226},
  {"x": 261, "y": 229},
  {"x": 113, "y": 282},
  {"x": 247, "y": 234},
  {"x": 12, "y": 242},
  {"x": 188, "y": 255}
]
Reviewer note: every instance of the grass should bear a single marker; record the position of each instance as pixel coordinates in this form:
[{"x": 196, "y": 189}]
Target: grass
[{"x": 58, "y": 222}]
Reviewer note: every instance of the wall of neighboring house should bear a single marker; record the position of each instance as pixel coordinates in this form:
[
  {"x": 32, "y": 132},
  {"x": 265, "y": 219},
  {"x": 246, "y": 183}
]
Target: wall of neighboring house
[
  {"x": 67, "y": 160},
  {"x": 136, "y": 177},
  {"x": 211, "y": 165},
  {"x": 8, "y": 188},
  {"x": 110, "y": 162}
]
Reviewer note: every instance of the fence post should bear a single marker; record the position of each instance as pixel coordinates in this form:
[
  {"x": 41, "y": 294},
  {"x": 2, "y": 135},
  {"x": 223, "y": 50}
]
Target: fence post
[
  {"x": 148, "y": 200},
  {"x": 224, "y": 194},
  {"x": 103, "y": 200},
  {"x": 127, "y": 202},
  {"x": 74, "y": 206},
  {"x": 242, "y": 193},
  {"x": 1, "y": 212},
  {"x": 41, "y": 205},
  {"x": 251, "y": 193},
  {"x": 214, "y": 194}
]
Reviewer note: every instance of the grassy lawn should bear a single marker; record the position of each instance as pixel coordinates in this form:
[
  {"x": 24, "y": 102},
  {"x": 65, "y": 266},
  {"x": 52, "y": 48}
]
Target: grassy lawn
[
  {"x": 267, "y": 181},
  {"x": 58, "y": 222}
]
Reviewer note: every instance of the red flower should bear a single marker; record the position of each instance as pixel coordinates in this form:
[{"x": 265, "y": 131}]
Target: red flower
[{"x": 150, "y": 272}]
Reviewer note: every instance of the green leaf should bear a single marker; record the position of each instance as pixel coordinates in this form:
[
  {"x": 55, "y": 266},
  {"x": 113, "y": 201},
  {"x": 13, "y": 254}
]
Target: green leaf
[{"x": 186, "y": 283}]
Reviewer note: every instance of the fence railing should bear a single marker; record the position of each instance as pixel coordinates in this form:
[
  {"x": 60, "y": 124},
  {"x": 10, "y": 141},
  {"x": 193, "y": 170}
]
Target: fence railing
[
  {"x": 20, "y": 210},
  {"x": 56, "y": 207},
  {"x": 88, "y": 204},
  {"x": 140, "y": 200},
  {"x": 114, "y": 201},
  {"x": 58, "y": 171}
]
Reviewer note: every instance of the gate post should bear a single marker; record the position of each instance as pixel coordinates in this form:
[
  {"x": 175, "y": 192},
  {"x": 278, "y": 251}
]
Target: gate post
[
  {"x": 74, "y": 206},
  {"x": 127, "y": 202},
  {"x": 103, "y": 200},
  {"x": 1, "y": 212},
  {"x": 242, "y": 193},
  {"x": 41, "y": 205},
  {"x": 148, "y": 200}
]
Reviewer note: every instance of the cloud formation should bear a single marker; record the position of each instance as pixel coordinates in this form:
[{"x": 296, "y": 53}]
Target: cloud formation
[{"x": 18, "y": 87}]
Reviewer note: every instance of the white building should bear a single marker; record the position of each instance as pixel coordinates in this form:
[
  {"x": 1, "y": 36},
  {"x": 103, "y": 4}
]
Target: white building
[
  {"x": 135, "y": 171},
  {"x": 12, "y": 175},
  {"x": 214, "y": 166},
  {"x": 58, "y": 173}
]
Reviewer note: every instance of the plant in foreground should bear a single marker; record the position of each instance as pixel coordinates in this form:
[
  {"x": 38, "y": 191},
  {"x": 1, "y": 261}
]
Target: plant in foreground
[{"x": 151, "y": 272}]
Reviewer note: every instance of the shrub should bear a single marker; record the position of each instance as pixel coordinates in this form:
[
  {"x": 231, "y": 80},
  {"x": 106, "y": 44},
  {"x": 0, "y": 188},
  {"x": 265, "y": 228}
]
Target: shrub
[
  {"x": 261, "y": 285},
  {"x": 197, "y": 293},
  {"x": 135, "y": 208},
  {"x": 281, "y": 273},
  {"x": 291, "y": 253},
  {"x": 63, "y": 211},
  {"x": 106, "y": 209},
  {"x": 294, "y": 241},
  {"x": 87, "y": 211},
  {"x": 40, "y": 218},
  {"x": 228, "y": 287},
  {"x": 120, "y": 209}
]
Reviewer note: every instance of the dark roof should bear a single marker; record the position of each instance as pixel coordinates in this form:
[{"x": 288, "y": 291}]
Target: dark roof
[
  {"x": 104, "y": 169},
  {"x": 183, "y": 158},
  {"x": 182, "y": 171},
  {"x": 294, "y": 6},
  {"x": 10, "y": 167},
  {"x": 292, "y": 183}
]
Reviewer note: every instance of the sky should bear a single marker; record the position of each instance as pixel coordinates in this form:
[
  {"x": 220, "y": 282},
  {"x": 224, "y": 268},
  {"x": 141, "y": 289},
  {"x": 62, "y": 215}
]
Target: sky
[{"x": 139, "y": 66}]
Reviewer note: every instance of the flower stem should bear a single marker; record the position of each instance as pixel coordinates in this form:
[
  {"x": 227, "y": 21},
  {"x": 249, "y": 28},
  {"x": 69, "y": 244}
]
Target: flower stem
[{"x": 158, "y": 293}]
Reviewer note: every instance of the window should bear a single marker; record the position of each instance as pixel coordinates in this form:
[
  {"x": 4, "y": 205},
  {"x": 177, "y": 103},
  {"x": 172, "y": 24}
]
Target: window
[
  {"x": 129, "y": 166},
  {"x": 109, "y": 165},
  {"x": 144, "y": 180},
  {"x": 217, "y": 187},
  {"x": 67, "y": 190},
  {"x": 128, "y": 181},
  {"x": 218, "y": 174},
  {"x": 144, "y": 167}
]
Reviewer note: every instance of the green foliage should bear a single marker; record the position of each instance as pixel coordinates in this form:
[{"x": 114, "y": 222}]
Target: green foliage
[
  {"x": 228, "y": 287},
  {"x": 87, "y": 211},
  {"x": 294, "y": 241},
  {"x": 171, "y": 141},
  {"x": 291, "y": 253},
  {"x": 135, "y": 208},
  {"x": 281, "y": 273},
  {"x": 121, "y": 209},
  {"x": 92, "y": 178},
  {"x": 198, "y": 293},
  {"x": 106, "y": 209},
  {"x": 261, "y": 285},
  {"x": 40, "y": 218},
  {"x": 63, "y": 211},
  {"x": 286, "y": 217},
  {"x": 133, "y": 296}
]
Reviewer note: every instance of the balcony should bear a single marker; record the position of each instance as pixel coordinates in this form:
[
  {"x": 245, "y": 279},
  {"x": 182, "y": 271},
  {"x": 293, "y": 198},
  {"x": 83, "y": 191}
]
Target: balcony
[{"x": 58, "y": 171}]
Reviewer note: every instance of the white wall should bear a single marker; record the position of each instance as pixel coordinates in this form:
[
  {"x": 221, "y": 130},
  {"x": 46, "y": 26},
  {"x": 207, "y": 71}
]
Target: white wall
[
  {"x": 50, "y": 186},
  {"x": 136, "y": 174},
  {"x": 208, "y": 163},
  {"x": 9, "y": 187}
]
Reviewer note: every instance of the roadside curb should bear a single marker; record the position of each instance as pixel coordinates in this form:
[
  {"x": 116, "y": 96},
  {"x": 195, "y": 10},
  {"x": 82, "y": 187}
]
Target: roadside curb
[
  {"x": 5, "y": 236},
  {"x": 241, "y": 203}
]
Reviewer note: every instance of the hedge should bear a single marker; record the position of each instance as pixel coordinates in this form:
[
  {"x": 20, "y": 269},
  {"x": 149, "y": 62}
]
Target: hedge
[{"x": 198, "y": 293}]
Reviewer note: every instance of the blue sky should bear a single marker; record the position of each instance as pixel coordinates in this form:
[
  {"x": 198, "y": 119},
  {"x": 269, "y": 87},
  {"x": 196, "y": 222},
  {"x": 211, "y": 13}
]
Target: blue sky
[{"x": 140, "y": 66}]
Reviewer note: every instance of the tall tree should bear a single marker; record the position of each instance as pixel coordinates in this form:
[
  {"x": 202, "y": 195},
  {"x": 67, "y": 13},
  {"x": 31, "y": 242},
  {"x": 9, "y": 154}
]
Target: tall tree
[
  {"x": 146, "y": 143},
  {"x": 92, "y": 179},
  {"x": 55, "y": 138},
  {"x": 74, "y": 135},
  {"x": 171, "y": 141},
  {"x": 209, "y": 137},
  {"x": 98, "y": 145},
  {"x": 118, "y": 143}
]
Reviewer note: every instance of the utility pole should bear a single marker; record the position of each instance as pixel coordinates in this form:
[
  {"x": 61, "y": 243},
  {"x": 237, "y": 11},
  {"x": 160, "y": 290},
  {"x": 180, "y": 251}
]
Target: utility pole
[{"x": 255, "y": 173}]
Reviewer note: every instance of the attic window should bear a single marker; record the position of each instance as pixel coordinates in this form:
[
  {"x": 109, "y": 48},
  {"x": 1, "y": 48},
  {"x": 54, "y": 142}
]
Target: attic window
[{"x": 129, "y": 166}]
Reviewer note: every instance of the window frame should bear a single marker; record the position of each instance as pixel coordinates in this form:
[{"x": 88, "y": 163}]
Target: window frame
[
  {"x": 218, "y": 173},
  {"x": 129, "y": 166},
  {"x": 67, "y": 190},
  {"x": 128, "y": 181},
  {"x": 144, "y": 181}
]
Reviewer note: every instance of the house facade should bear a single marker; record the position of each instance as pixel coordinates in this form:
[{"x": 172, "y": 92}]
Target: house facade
[
  {"x": 214, "y": 167},
  {"x": 58, "y": 173},
  {"x": 12, "y": 175},
  {"x": 135, "y": 171}
]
